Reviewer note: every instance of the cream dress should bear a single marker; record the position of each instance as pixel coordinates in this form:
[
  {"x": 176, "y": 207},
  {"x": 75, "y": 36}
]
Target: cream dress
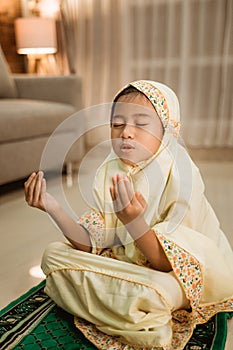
[{"x": 118, "y": 301}]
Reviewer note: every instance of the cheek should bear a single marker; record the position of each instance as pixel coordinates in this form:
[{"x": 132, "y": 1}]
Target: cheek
[
  {"x": 151, "y": 142},
  {"x": 157, "y": 135},
  {"x": 115, "y": 143},
  {"x": 157, "y": 144},
  {"x": 114, "y": 133}
]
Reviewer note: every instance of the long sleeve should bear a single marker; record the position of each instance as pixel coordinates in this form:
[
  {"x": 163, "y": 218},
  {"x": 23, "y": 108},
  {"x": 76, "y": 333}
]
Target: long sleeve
[{"x": 93, "y": 222}]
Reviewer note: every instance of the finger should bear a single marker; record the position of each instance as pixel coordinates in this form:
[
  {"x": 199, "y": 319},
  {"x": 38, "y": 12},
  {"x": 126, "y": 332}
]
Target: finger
[
  {"x": 43, "y": 191},
  {"x": 30, "y": 189},
  {"x": 114, "y": 187},
  {"x": 115, "y": 197},
  {"x": 29, "y": 180},
  {"x": 38, "y": 187},
  {"x": 129, "y": 189},
  {"x": 124, "y": 198},
  {"x": 43, "y": 186},
  {"x": 114, "y": 193}
]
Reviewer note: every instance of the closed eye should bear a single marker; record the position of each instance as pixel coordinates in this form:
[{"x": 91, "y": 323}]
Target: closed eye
[
  {"x": 118, "y": 125},
  {"x": 121, "y": 125}
]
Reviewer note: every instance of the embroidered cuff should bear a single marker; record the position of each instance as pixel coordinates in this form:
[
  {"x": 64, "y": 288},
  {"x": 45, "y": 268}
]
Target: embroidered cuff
[
  {"x": 186, "y": 267},
  {"x": 93, "y": 222}
]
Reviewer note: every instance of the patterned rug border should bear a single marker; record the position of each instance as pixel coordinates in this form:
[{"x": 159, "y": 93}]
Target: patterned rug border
[
  {"x": 16, "y": 322},
  {"x": 22, "y": 297},
  {"x": 221, "y": 324},
  {"x": 20, "y": 319}
]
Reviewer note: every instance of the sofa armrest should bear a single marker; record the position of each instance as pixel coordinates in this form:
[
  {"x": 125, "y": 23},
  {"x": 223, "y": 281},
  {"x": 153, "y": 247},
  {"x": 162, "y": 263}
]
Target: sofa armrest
[{"x": 63, "y": 89}]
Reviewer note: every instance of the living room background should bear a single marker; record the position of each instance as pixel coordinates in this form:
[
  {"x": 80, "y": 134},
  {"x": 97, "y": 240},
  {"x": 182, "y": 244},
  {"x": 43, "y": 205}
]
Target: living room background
[{"x": 186, "y": 44}]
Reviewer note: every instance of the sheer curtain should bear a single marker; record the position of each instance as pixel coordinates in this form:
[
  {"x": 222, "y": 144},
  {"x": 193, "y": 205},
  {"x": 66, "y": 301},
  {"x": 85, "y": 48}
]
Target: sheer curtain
[
  {"x": 187, "y": 44},
  {"x": 94, "y": 44}
]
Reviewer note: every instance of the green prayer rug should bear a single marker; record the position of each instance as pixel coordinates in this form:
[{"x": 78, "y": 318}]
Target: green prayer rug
[{"x": 35, "y": 322}]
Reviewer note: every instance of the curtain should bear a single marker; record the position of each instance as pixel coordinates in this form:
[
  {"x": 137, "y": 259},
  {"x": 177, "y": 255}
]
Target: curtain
[
  {"x": 93, "y": 43},
  {"x": 186, "y": 44}
]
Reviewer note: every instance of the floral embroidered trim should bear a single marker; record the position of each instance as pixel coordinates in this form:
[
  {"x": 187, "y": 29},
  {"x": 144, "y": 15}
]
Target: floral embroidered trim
[
  {"x": 159, "y": 102},
  {"x": 104, "y": 341},
  {"x": 186, "y": 268},
  {"x": 183, "y": 327},
  {"x": 93, "y": 222},
  {"x": 205, "y": 312},
  {"x": 188, "y": 271}
]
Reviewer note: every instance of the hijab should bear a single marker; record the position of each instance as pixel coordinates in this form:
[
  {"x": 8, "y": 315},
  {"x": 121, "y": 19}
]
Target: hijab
[
  {"x": 177, "y": 209},
  {"x": 169, "y": 180}
]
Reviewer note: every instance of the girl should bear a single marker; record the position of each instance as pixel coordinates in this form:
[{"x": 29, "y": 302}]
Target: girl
[{"x": 159, "y": 263}]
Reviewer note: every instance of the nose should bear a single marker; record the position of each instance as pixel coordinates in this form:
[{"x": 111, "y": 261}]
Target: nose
[{"x": 128, "y": 132}]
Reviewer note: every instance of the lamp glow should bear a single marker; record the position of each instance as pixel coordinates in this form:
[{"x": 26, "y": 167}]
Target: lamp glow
[{"x": 35, "y": 35}]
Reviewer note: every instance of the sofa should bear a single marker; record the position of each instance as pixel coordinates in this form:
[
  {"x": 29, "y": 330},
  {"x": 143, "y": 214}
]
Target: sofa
[{"x": 31, "y": 108}]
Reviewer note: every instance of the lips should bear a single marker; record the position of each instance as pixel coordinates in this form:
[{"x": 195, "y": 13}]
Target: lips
[{"x": 126, "y": 147}]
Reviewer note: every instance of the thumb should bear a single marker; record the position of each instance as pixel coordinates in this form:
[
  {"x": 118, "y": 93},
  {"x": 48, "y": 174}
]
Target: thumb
[{"x": 141, "y": 199}]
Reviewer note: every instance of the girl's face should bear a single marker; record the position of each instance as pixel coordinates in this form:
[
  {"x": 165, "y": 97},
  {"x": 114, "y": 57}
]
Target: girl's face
[{"x": 136, "y": 130}]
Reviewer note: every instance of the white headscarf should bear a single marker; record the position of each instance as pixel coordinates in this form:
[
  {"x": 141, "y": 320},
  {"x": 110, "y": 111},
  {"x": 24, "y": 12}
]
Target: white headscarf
[
  {"x": 177, "y": 211},
  {"x": 169, "y": 180}
]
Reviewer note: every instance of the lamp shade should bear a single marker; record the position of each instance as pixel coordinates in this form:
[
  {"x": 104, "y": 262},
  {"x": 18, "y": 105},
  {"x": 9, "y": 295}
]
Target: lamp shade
[{"x": 35, "y": 35}]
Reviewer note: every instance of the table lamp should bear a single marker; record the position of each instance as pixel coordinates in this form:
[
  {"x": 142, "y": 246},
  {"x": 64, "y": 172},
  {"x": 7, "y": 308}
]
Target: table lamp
[{"x": 35, "y": 36}]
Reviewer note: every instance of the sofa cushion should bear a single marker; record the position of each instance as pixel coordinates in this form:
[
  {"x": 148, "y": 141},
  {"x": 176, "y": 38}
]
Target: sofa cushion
[
  {"x": 7, "y": 84},
  {"x": 25, "y": 119}
]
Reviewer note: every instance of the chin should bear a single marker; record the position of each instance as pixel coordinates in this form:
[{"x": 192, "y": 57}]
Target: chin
[
  {"x": 132, "y": 160},
  {"x": 128, "y": 161}
]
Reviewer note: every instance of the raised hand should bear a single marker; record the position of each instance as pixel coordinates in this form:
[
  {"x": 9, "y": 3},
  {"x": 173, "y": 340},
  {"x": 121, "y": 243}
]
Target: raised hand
[
  {"x": 128, "y": 205},
  {"x": 36, "y": 194}
]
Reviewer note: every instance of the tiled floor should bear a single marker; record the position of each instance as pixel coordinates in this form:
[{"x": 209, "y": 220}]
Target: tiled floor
[{"x": 25, "y": 232}]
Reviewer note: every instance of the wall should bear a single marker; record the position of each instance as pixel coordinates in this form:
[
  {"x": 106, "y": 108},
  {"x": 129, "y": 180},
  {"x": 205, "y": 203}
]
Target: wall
[{"x": 9, "y": 10}]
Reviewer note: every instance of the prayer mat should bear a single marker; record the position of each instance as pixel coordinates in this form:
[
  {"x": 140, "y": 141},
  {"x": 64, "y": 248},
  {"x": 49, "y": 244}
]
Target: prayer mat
[{"x": 35, "y": 322}]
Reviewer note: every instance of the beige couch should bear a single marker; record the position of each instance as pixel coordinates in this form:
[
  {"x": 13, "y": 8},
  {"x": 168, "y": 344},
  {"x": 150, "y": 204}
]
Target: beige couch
[{"x": 31, "y": 107}]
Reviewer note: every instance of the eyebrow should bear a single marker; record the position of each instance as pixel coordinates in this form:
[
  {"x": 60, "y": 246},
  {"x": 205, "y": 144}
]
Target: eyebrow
[
  {"x": 142, "y": 115},
  {"x": 134, "y": 115}
]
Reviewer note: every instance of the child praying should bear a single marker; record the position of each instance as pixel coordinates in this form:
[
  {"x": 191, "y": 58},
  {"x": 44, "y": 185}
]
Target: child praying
[{"x": 149, "y": 261}]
